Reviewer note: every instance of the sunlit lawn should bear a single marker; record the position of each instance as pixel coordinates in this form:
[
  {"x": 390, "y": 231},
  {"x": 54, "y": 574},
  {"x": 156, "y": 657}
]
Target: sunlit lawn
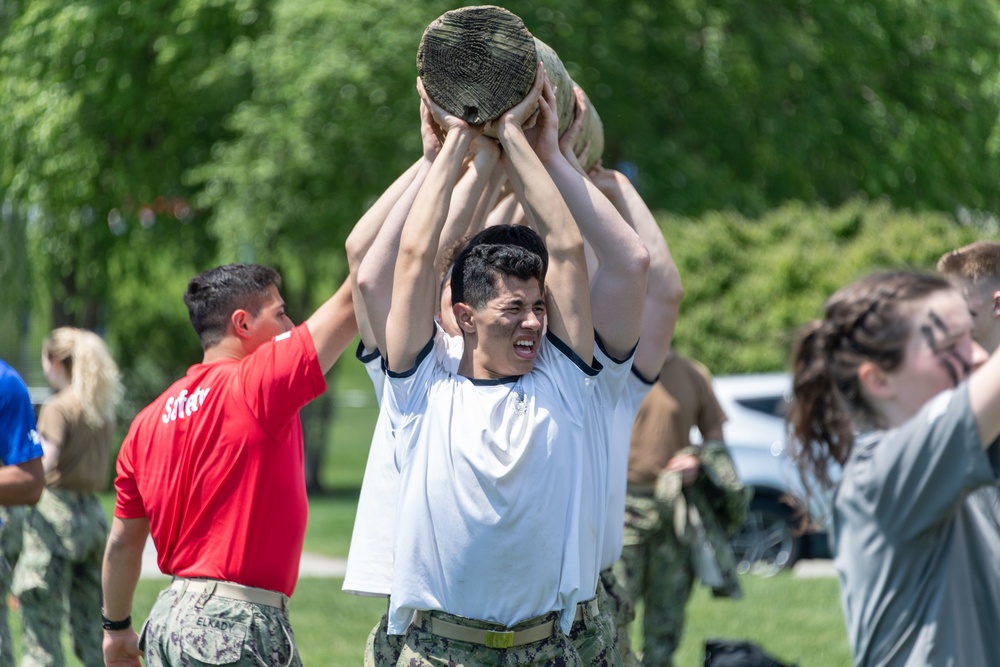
[{"x": 796, "y": 620}]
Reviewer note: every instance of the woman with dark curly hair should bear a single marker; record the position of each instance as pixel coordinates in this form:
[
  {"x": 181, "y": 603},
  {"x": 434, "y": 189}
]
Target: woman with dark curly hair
[{"x": 891, "y": 386}]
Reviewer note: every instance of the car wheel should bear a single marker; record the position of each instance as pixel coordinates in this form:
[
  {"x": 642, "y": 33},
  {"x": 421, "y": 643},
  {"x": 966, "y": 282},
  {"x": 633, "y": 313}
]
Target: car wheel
[{"x": 767, "y": 543}]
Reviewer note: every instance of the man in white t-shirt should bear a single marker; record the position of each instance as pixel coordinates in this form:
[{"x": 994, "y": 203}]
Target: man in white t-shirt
[
  {"x": 486, "y": 553},
  {"x": 662, "y": 304},
  {"x": 376, "y": 237}
]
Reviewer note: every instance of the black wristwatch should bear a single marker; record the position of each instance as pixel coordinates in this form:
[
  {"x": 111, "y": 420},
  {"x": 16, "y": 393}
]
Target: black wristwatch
[{"x": 108, "y": 624}]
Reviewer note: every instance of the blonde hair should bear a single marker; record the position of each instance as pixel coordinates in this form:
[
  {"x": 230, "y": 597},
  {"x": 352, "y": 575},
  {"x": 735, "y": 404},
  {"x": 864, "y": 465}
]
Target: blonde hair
[
  {"x": 975, "y": 262},
  {"x": 93, "y": 373}
]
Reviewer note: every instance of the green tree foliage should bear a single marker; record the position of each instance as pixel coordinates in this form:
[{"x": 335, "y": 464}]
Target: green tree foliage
[
  {"x": 750, "y": 285},
  {"x": 746, "y": 105},
  {"x": 106, "y": 104},
  {"x": 141, "y": 142},
  {"x": 333, "y": 119}
]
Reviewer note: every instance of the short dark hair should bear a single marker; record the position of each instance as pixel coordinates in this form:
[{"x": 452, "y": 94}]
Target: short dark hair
[
  {"x": 518, "y": 235},
  {"x": 507, "y": 235},
  {"x": 211, "y": 297},
  {"x": 478, "y": 270}
]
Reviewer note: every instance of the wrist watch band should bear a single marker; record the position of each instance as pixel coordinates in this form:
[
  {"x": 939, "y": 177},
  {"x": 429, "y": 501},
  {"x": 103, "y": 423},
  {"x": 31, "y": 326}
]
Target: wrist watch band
[{"x": 108, "y": 624}]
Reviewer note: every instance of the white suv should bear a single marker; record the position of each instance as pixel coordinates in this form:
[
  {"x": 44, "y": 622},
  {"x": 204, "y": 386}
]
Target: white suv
[{"x": 756, "y": 433}]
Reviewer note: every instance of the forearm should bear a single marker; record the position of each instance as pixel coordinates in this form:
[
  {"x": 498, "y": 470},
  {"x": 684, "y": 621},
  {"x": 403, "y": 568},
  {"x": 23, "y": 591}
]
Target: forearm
[
  {"x": 22, "y": 484},
  {"x": 375, "y": 274},
  {"x": 122, "y": 565},
  {"x": 664, "y": 291},
  {"x": 489, "y": 200},
  {"x": 619, "y": 249},
  {"x": 360, "y": 240},
  {"x": 333, "y": 326},
  {"x": 618, "y": 287},
  {"x": 540, "y": 197},
  {"x": 567, "y": 296},
  {"x": 465, "y": 200},
  {"x": 414, "y": 290}
]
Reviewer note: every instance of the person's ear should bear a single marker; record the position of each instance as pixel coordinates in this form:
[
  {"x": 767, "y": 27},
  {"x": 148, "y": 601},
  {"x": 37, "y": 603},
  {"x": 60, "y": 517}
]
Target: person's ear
[
  {"x": 240, "y": 320},
  {"x": 875, "y": 381},
  {"x": 465, "y": 317},
  {"x": 996, "y": 304}
]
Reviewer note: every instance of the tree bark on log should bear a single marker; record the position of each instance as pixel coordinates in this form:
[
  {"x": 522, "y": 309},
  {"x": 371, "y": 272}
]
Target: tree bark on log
[{"x": 477, "y": 62}]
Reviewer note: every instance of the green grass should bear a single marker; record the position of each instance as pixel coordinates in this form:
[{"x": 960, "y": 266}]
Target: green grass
[{"x": 794, "y": 619}]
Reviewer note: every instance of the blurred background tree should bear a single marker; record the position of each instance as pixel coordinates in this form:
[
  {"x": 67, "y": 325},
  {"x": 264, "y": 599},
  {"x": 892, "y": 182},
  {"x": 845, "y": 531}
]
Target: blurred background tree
[{"x": 141, "y": 142}]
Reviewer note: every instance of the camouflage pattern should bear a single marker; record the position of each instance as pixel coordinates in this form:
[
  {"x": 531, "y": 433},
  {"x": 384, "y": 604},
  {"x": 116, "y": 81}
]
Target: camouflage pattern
[
  {"x": 194, "y": 629},
  {"x": 60, "y": 568},
  {"x": 12, "y": 519},
  {"x": 382, "y": 649},
  {"x": 655, "y": 568},
  {"x": 422, "y": 649},
  {"x": 593, "y": 636},
  {"x": 730, "y": 500},
  {"x": 658, "y": 563},
  {"x": 619, "y": 612}
]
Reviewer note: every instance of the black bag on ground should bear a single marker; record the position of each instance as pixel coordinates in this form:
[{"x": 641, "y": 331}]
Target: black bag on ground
[{"x": 738, "y": 653}]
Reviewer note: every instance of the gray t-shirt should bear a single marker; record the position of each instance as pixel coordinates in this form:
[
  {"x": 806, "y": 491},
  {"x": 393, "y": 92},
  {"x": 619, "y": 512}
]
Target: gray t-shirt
[{"x": 918, "y": 553}]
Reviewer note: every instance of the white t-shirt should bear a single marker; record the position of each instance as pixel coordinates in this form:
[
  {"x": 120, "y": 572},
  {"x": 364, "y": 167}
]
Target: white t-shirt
[
  {"x": 369, "y": 559},
  {"x": 636, "y": 389},
  {"x": 601, "y": 420},
  {"x": 492, "y": 476}
]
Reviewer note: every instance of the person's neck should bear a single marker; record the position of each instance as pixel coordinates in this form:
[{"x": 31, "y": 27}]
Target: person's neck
[
  {"x": 471, "y": 367},
  {"x": 226, "y": 349}
]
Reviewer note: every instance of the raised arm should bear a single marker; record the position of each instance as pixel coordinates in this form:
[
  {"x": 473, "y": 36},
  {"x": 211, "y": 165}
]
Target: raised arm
[
  {"x": 984, "y": 398},
  {"x": 466, "y": 199},
  {"x": 618, "y": 290},
  {"x": 568, "y": 297},
  {"x": 333, "y": 326},
  {"x": 373, "y": 252},
  {"x": 663, "y": 291},
  {"x": 361, "y": 238},
  {"x": 410, "y": 319}
]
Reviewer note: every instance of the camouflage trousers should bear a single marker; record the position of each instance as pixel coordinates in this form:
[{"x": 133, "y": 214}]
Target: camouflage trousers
[
  {"x": 619, "y": 613},
  {"x": 59, "y": 576},
  {"x": 187, "y": 629},
  {"x": 656, "y": 568},
  {"x": 593, "y": 635},
  {"x": 382, "y": 649},
  {"x": 12, "y": 519},
  {"x": 421, "y": 648}
]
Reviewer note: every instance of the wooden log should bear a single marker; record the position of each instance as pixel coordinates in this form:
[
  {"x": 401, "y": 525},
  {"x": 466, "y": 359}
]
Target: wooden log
[
  {"x": 477, "y": 62},
  {"x": 590, "y": 145}
]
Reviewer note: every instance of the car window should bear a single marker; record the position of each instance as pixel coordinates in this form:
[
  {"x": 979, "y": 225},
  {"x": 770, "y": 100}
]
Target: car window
[{"x": 774, "y": 406}]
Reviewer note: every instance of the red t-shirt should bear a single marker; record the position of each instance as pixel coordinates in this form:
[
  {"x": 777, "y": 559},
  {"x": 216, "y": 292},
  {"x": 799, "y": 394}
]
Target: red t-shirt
[{"x": 216, "y": 464}]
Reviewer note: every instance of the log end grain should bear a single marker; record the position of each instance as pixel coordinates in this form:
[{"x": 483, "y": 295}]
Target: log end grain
[{"x": 477, "y": 62}]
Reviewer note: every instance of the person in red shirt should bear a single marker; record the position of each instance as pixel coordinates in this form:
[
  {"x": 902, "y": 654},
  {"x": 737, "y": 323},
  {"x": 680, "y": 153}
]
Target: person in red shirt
[{"x": 213, "y": 470}]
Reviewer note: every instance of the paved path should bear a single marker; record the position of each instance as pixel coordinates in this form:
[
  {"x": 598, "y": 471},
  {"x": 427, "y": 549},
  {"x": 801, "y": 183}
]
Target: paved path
[
  {"x": 813, "y": 568},
  {"x": 312, "y": 565}
]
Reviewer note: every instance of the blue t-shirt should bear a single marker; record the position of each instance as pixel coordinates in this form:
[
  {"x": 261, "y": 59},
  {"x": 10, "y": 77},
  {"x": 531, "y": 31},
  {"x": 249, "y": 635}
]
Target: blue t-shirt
[{"x": 19, "y": 441}]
